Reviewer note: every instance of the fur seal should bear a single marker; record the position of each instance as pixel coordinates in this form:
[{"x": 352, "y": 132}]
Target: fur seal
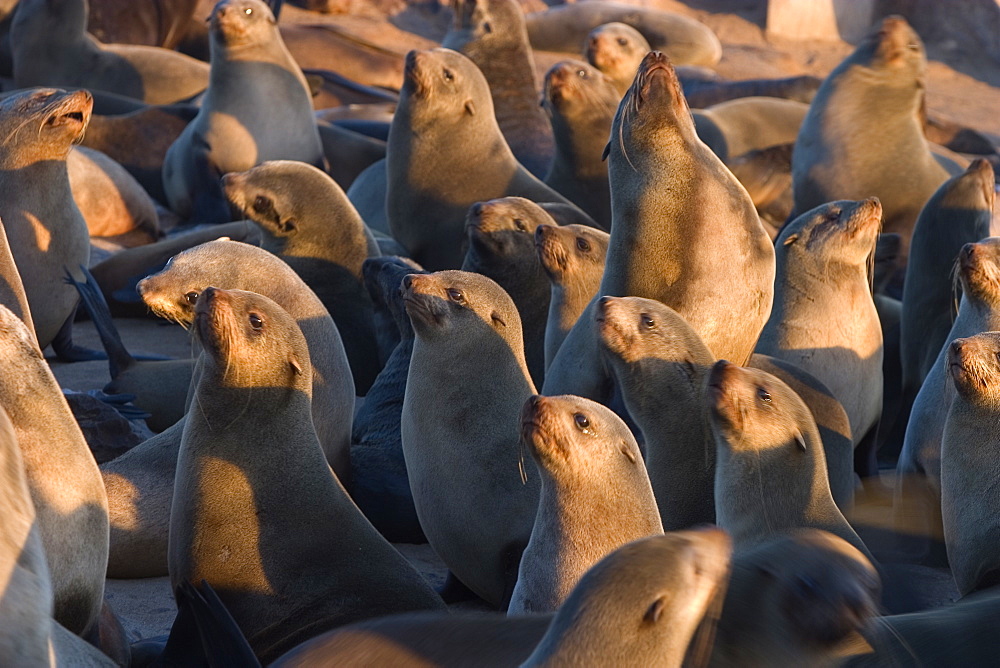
[
  {"x": 581, "y": 103},
  {"x": 767, "y": 176},
  {"x": 286, "y": 567},
  {"x": 968, "y": 470},
  {"x": 44, "y": 227},
  {"x": 641, "y": 603},
  {"x": 51, "y": 47},
  {"x": 565, "y": 28},
  {"x": 465, "y": 417},
  {"x": 573, "y": 258},
  {"x": 654, "y": 249},
  {"x": 253, "y": 81},
  {"x": 801, "y": 599},
  {"x": 770, "y": 473},
  {"x": 492, "y": 34},
  {"x": 70, "y": 501},
  {"x": 158, "y": 23},
  {"x": 445, "y": 102},
  {"x": 824, "y": 319},
  {"x": 917, "y": 506},
  {"x": 309, "y": 223},
  {"x": 502, "y": 247},
  {"x": 595, "y": 497},
  {"x": 348, "y": 153},
  {"x": 616, "y": 49},
  {"x": 140, "y": 483},
  {"x": 959, "y": 212},
  {"x": 850, "y": 148},
  {"x": 111, "y": 201},
  {"x": 747, "y": 124}
]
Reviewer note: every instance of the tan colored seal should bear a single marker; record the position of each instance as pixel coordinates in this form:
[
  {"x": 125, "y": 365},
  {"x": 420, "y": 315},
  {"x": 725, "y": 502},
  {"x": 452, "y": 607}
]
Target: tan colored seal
[
  {"x": 286, "y": 566},
  {"x": 798, "y": 600},
  {"x": 824, "y": 319},
  {"x": 45, "y": 230},
  {"x": 70, "y": 502},
  {"x": 492, "y": 34},
  {"x": 770, "y": 465},
  {"x": 308, "y": 222},
  {"x": 51, "y": 47},
  {"x": 685, "y": 233},
  {"x": 640, "y": 604},
  {"x": 254, "y": 81},
  {"x": 464, "y": 392},
  {"x": 582, "y": 103},
  {"x": 573, "y": 258},
  {"x": 968, "y": 470},
  {"x": 445, "y": 153},
  {"x": 851, "y": 148},
  {"x": 595, "y": 497},
  {"x": 502, "y": 247},
  {"x": 747, "y": 124},
  {"x": 617, "y": 50}
]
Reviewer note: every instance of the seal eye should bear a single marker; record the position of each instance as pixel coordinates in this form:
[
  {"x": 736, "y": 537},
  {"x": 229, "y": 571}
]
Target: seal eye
[
  {"x": 255, "y": 321},
  {"x": 448, "y": 76},
  {"x": 261, "y": 204},
  {"x": 647, "y": 321},
  {"x": 763, "y": 395},
  {"x": 248, "y": 11},
  {"x": 191, "y": 297},
  {"x": 519, "y": 224},
  {"x": 581, "y": 73},
  {"x": 456, "y": 295},
  {"x": 582, "y": 423},
  {"x": 622, "y": 41},
  {"x": 582, "y": 245},
  {"x": 487, "y": 28}
]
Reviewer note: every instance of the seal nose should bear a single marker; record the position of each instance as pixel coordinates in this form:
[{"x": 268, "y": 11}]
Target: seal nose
[
  {"x": 407, "y": 282},
  {"x": 477, "y": 209}
]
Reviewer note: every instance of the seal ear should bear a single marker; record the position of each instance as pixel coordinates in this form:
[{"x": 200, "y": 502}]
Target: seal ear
[
  {"x": 792, "y": 238},
  {"x": 290, "y": 225},
  {"x": 800, "y": 441},
  {"x": 296, "y": 367},
  {"x": 627, "y": 451},
  {"x": 497, "y": 320},
  {"x": 607, "y": 152},
  {"x": 470, "y": 108},
  {"x": 655, "y": 611}
]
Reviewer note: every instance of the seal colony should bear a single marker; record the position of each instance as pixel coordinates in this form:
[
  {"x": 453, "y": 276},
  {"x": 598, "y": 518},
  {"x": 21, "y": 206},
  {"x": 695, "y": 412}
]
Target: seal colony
[{"x": 539, "y": 342}]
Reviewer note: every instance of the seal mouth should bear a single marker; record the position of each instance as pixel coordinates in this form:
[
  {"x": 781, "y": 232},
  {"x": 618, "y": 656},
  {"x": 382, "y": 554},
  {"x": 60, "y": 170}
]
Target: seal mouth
[
  {"x": 72, "y": 111},
  {"x": 864, "y": 219},
  {"x": 656, "y": 78}
]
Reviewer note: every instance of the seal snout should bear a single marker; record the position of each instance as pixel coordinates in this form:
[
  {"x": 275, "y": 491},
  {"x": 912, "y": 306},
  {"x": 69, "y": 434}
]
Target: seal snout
[
  {"x": 983, "y": 171},
  {"x": 530, "y": 413}
]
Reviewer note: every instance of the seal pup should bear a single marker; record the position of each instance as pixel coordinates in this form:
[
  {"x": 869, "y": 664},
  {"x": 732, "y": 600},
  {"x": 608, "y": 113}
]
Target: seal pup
[
  {"x": 595, "y": 497},
  {"x": 564, "y": 28},
  {"x": 253, "y": 81},
  {"x": 51, "y": 47},
  {"x": 502, "y": 247},
  {"x": 309, "y": 223},
  {"x": 959, "y": 212},
  {"x": 573, "y": 259},
  {"x": 968, "y": 469},
  {"x": 140, "y": 482},
  {"x": 824, "y": 319},
  {"x": 617, "y": 50},
  {"x": 445, "y": 103},
  {"x": 640, "y": 603},
  {"x": 492, "y": 34},
  {"x": 863, "y": 136},
  {"x": 44, "y": 227},
  {"x": 653, "y": 251},
  {"x": 770, "y": 472},
  {"x": 581, "y": 103},
  {"x": 290, "y": 567},
  {"x": 800, "y": 599},
  {"x": 464, "y": 417},
  {"x": 917, "y": 507},
  {"x": 70, "y": 501}
]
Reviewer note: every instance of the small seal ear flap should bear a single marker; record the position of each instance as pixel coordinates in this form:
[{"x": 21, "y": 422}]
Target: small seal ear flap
[
  {"x": 655, "y": 611},
  {"x": 497, "y": 320},
  {"x": 792, "y": 238},
  {"x": 800, "y": 441},
  {"x": 607, "y": 152},
  {"x": 470, "y": 108},
  {"x": 627, "y": 451},
  {"x": 296, "y": 367},
  {"x": 290, "y": 225}
]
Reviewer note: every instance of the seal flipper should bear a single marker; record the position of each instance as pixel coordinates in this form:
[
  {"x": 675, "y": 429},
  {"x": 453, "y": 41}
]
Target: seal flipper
[
  {"x": 209, "y": 205},
  {"x": 66, "y": 350},
  {"x": 92, "y": 299},
  {"x": 222, "y": 641}
]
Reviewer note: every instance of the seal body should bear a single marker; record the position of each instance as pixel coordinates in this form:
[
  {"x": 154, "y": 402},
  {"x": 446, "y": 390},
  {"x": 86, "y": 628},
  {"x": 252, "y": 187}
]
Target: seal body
[
  {"x": 824, "y": 319},
  {"x": 253, "y": 81},
  {"x": 747, "y": 124},
  {"x": 770, "y": 465},
  {"x": 445, "y": 104},
  {"x": 463, "y": 415},
  {"x": 308, "y": 222},
  {"x": 45, "y": 230},
  {"x": 592, "y": 476},
  {"x": 232, "y": 522}
]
